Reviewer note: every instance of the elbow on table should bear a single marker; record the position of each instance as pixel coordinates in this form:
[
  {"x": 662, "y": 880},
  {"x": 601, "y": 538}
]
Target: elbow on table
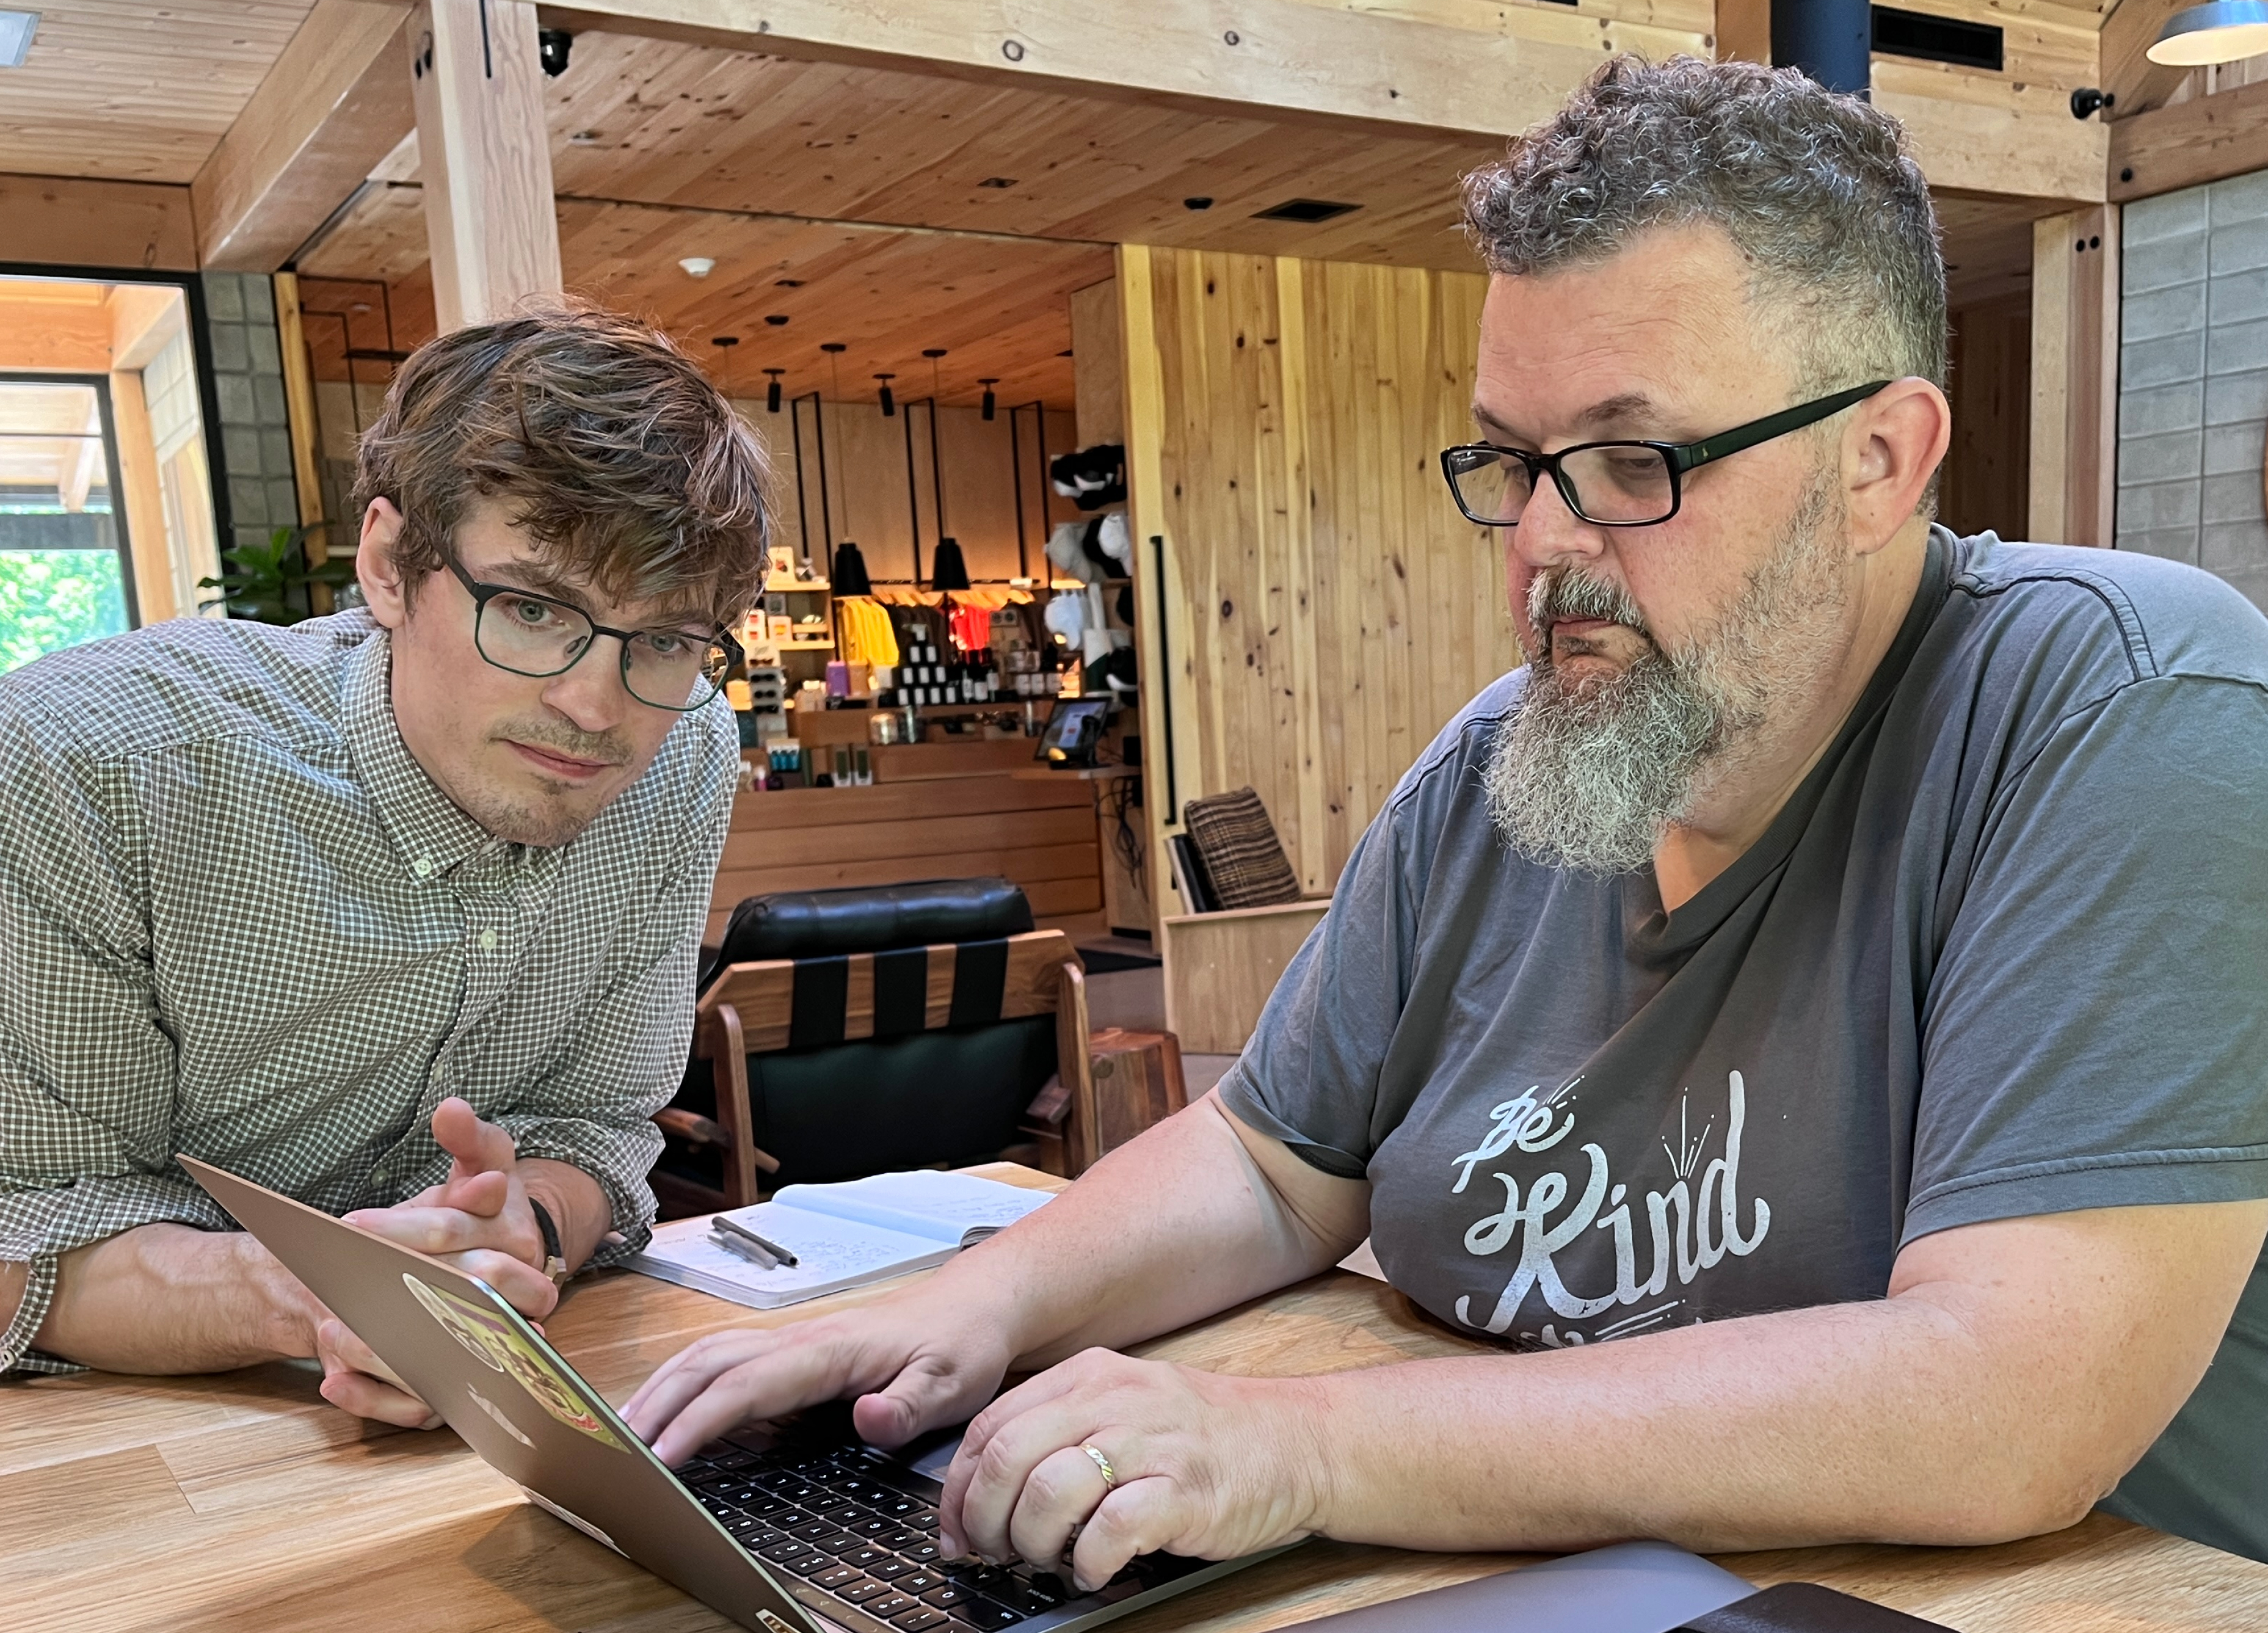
[{"x": 1982, "y": 1505}]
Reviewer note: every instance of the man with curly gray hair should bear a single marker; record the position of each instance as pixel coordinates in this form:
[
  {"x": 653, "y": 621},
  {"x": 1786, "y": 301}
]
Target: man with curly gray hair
[{"x": 1801, "y": 1027}]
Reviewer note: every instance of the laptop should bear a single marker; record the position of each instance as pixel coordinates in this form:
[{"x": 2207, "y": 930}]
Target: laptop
[{"x": 801, "y": 1528}]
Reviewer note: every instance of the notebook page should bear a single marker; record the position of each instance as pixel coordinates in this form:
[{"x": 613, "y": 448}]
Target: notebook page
[
  {"x": 945, "y": 1208},
  {"x": 830, "y": 1252}
]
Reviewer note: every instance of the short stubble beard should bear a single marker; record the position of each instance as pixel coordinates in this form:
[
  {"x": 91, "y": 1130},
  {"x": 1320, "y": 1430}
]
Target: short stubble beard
[{"x": 1589, "y": 774}]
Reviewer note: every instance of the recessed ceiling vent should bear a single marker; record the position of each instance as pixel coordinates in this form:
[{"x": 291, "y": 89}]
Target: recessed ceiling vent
[
  {"x": 1309, "y": 210},
  {"x": 1937, "y": 38}
]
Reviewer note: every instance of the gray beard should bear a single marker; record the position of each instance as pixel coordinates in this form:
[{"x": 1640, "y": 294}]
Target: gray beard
[{"x": 1589, "y": 775}]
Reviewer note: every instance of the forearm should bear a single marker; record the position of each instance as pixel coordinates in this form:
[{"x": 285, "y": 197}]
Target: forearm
[
  {"x": 576, "y": 1203},
  {"x": 1170, "y": 1228},
  {"x": 1888, "y": 1422},
  {"x": 164, "y": 1298}
]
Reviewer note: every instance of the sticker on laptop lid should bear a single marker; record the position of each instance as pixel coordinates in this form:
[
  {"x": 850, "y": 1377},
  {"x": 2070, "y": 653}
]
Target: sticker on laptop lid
[{"x": 492, "y": 1342}]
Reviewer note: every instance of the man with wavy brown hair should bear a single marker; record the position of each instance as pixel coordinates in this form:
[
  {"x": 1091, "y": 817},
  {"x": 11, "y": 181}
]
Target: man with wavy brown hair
[{"x": 396, "y": 910}]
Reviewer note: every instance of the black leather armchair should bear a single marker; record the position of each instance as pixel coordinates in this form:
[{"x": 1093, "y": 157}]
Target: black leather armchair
[{"x": 844, "y": 1032}]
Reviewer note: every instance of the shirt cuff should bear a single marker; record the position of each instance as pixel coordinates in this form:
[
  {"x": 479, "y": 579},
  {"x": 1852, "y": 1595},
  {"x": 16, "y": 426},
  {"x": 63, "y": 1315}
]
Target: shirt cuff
[
  {"x": 617, "y": 1159},
  {"x": 16, "y": 1351}
]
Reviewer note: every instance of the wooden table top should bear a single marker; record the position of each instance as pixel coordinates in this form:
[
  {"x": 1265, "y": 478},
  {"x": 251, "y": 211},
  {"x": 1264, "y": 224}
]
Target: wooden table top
[{"x": 245, "y": 1503}]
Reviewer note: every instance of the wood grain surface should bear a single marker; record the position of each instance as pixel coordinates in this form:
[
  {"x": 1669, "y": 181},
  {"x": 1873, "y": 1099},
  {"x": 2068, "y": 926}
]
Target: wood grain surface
[{"x": 244, "y": 1502}]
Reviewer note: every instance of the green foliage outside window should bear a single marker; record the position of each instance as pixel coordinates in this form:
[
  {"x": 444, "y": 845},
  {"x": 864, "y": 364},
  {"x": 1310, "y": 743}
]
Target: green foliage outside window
[{"x": 52, "y": 598}]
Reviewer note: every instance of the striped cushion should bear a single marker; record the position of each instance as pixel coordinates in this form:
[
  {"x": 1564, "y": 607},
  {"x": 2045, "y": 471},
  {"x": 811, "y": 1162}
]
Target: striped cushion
[{"x": 1242, "y": 855}]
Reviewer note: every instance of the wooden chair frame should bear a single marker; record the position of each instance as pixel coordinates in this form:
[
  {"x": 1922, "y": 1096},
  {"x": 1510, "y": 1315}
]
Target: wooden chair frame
[{"x": 747, "y": 1009}]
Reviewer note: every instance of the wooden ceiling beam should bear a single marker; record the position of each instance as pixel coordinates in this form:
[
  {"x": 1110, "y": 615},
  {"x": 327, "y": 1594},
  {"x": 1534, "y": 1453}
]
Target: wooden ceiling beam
[
  {"x": 65, "y": 221},
  {"x": 1509, "y": 68},
  {"x": 2137, "y": 82},
  {"x": 2203, "y": 139},
  {"x": 335, "y": 102}
]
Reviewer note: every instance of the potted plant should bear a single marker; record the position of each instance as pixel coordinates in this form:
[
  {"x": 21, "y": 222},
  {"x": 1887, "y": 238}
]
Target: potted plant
[{"x": 272, "y": 582}]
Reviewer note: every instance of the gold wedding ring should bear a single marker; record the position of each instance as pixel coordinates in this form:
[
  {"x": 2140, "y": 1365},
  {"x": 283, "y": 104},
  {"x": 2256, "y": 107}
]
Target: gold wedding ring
[{"x": 1109, "y": 1475}]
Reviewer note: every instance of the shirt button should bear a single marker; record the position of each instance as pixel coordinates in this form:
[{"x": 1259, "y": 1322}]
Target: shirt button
[
  {"x": 488, "y": 941},
  {"x": 423, "y": 867}
]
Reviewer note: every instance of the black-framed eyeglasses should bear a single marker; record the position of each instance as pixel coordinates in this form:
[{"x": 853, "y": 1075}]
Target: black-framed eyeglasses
[
  {"x": 533, "y": 635},
  {"x": 1613, "y": 484}
]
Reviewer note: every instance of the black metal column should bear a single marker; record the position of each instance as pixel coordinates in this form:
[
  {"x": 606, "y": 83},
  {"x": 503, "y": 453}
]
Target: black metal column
[{"x": 1829, "y": 39}]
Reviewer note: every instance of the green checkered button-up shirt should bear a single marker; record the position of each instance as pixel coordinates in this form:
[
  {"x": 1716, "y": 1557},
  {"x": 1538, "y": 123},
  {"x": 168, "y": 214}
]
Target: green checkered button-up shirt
[{"x": 238, "y": 921}]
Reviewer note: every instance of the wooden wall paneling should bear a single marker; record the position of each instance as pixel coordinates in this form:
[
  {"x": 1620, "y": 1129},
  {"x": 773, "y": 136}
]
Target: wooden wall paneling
[
  {"x": 59, "y": 222},
  {"x": 2074, "y": 377},
  {"x": 1328, "y": 610},
  {"x": 485, "y": 156},
  {"x": 1099, "y": 354},
  {"x": 2000, "y": 139},
  {"x": 144, "y": 500},
  {"x": 132, "y": 91},
  {"x": 332, "y": 104},
  {"x": 1220, "y": 969},
  {"x": 1987, "y": 481}
]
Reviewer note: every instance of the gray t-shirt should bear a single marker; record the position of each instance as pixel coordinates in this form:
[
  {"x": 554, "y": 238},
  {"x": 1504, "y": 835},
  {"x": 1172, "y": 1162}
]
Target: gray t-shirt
[{"x": 2001, "y": 954}]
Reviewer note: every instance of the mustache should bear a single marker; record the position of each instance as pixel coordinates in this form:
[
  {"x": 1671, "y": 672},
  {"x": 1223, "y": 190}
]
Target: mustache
[
  {"x": 605, "y": 746},
  {"x": 1558, "y": 593}
]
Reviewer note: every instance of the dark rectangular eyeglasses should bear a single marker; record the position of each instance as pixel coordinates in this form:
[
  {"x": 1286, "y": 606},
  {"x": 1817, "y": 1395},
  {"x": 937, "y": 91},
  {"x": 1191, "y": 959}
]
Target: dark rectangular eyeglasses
[
  {"x": 534, "y": 635},
  {"x": 1613, "y": 484}
]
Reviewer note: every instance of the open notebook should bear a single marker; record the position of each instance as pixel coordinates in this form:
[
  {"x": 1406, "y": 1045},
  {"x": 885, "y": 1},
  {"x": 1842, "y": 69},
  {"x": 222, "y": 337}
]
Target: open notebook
[{"x": 843, "y": 1235}]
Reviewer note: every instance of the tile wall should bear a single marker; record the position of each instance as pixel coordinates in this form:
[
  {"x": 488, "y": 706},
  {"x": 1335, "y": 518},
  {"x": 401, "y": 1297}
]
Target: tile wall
[
  {"x": 255, "y": 432},
  {"x": 2193, "y": 379}
]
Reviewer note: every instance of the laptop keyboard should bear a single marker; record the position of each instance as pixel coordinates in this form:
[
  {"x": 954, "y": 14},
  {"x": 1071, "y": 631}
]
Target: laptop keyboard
[{"x": 836, "y": 1520}]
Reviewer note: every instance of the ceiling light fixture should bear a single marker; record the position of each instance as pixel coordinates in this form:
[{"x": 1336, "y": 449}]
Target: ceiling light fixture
[
  {"x": 772, "y": 391},
  {"x": 697, "y": 265},
  {"x": 991, "y": 402},
  {"x": 777, "y": 319},
  {"x": 724, "y": 343},
  {"x": 889, "y": 403},
  {"x": 16, "y": 31},
  {"x": 2201, "y": 35}
]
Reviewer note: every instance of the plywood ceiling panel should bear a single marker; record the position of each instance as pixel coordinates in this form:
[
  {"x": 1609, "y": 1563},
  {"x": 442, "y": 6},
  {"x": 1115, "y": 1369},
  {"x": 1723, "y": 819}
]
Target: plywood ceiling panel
[
  {"x": 999, "y": 306},
  {"x": 136, "y": 91},
  {"x": 663, "y": 122}
]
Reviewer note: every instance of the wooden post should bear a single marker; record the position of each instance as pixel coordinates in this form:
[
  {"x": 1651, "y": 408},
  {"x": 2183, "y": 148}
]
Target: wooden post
[
  {"x": 299, "y": 406},
  {"x": 486, "y": 156},
  {"x": 144, "y": 502},
  {"x": 2074, "y": 377}
]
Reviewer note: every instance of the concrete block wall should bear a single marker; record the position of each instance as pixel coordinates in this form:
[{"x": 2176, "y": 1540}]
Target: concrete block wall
[
  {"x": 2193, "y": 379},
  {"x": 254, "y": 433}
]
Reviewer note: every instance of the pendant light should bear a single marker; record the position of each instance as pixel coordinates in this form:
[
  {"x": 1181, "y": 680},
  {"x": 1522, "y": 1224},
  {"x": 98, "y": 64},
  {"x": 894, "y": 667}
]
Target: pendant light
[
  {"x": 990, "y": 403},
  {"x": 772, "y": 391},
  {"x": 889, "y": 403},
  {"x": 2198, "y": 36},
  {"x": 724, "y": 343},
  {"x": 948, "y": 562}
]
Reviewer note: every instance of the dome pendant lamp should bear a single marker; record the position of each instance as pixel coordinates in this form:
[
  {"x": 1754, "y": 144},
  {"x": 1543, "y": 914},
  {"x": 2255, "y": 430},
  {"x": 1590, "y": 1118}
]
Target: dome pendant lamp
[{"x": 2198, "y": 36}]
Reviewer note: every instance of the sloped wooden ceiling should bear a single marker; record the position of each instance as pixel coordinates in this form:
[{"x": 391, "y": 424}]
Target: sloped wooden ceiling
[{"x": 136, "y": 90}]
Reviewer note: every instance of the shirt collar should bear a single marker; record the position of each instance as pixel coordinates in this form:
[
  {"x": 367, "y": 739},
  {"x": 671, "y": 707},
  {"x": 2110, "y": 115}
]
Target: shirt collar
[{"x": 431, "y": 834}]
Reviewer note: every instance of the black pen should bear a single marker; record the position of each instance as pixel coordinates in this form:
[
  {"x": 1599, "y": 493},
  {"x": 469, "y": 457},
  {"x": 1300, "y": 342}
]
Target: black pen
[{"x": 723, "y": 1224}]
